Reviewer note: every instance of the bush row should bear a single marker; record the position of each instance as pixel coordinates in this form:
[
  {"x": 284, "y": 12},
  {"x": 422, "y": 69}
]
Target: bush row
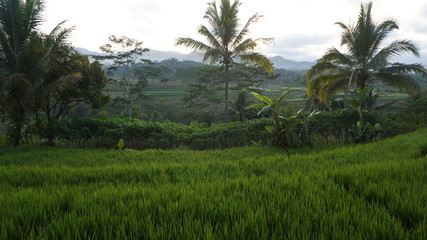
[
  {"x": 325, "y": 128},
  {"x": 93, "y": 132}
]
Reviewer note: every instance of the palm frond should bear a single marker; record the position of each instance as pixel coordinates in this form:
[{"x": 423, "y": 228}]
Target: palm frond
[
  {"x": 195, "y": 45},
  {"x": 7, "y": 48},
  {"x": 337, "y": 85},
  {"x": 17, "y": 90},
  {"x": 230, "y": 20},
  {"x": 212, "y": 56},
  {"x": 245, "y": 46},
  {"x": 211, "y": 14},
  {"x": 381, "y": 59},
  {"x": 204, "y": 31},
  {"x": 347, "y": 37},
  {"x": 46, "y": 90},
  {"x": 257, "y": 58},
  {"x": 322, "y": 74},
  {"x": 402, "y": 82},
  {"x": 31, "y": 16},
  {"x": 64, "y": 83},
  {"x": 333, "y": 55},
  {"x": 400, "y": 68},
  {"x": 245, "y": 30},
  {"x": 380, "y": 32}
]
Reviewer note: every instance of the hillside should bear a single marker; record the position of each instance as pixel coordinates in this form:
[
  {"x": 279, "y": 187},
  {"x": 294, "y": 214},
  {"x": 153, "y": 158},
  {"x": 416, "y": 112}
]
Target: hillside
[
  {"x": 155, "y": 55},
  {"x": 376, "y": 190}
]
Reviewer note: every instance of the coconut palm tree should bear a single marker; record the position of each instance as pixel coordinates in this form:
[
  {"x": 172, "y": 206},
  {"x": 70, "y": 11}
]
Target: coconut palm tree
[
  {"x": 26, "y": 56},
  {"x": 225, "y": 42},
  {"x": 366, "y": 61}
]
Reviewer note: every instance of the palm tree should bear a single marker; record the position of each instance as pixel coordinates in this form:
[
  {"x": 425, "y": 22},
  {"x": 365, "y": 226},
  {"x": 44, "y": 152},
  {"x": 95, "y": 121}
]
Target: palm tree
[
  {"x": 366, "y": 60},
  {"x": 26, "y": 56},
  {"x": 225, "y": 43}
]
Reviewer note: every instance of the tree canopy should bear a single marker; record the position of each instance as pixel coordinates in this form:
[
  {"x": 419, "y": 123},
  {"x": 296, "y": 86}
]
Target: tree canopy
[
  {"x": 227, "y": 43},
  {"x": 367, "y": 59}
]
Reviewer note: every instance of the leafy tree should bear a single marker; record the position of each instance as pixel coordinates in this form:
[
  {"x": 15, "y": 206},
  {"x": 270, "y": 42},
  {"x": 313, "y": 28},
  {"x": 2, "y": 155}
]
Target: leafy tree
[
  {"x": 241, "y": 106},
  {"x": 366, "y": 60},
  {"x": 91, "y": 81},
  {"x": 207, "y": 93},
  {"x": 26, "y": 57},
  {"x": 226, "y": 43},
  {"x": 123, "y": 53}
]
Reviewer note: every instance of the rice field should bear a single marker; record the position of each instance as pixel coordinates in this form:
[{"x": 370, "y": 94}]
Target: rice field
[{"x": 368, "y": 191}]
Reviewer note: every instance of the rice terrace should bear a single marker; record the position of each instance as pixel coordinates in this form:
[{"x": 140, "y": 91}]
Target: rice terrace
[
  {"x": 104, "y": 136},
  {"x": 375, "y": 190}
]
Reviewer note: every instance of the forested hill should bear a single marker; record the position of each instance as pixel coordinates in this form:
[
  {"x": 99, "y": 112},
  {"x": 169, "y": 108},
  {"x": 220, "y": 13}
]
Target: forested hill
[{"x": 154, "y": 55}]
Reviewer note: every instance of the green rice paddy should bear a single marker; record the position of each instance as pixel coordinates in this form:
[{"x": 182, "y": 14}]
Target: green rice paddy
[{"x": 367, "y": 191}]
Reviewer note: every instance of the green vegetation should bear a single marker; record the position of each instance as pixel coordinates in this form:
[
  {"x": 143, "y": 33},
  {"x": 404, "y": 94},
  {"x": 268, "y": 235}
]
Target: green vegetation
[
  {"x": 226, "y": 43},
  {"x": 124, "y": 53},
  {"x": 375, "y": 190},
  {"x": 318, "y": 185},
  {"x": 366, "y": 61},
  {"x": 41, "y": 74}
]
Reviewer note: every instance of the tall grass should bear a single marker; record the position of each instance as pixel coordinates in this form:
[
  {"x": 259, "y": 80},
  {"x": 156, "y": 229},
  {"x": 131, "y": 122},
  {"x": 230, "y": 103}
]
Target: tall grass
[{"x": 375, "y": 191}]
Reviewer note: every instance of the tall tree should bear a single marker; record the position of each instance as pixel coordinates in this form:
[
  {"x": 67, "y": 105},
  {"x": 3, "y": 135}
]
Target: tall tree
[
  {"x": 123, "y": 53},
  {"x": 207, "y": 93},
  {"x": 367, "y": 60},
  {"x": 225, "y": 43},
  {"x": 86, "y": 82},
  {"x": 26, "y": 56}
]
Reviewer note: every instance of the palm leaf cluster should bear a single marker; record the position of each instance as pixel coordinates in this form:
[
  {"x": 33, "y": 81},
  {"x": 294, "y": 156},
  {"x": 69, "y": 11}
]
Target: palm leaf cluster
[
  {"x": 226, "y": 42},
  {"x": 28, "y": 60},
  {"x": 366, "y": 60}
]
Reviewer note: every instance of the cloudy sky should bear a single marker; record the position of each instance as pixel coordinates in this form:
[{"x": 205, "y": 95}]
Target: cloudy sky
[{"x": 302, "y": 29}]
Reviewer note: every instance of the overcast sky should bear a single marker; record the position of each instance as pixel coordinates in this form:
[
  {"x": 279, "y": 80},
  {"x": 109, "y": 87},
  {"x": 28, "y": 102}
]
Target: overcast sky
[{"x": 302, "y": 29}]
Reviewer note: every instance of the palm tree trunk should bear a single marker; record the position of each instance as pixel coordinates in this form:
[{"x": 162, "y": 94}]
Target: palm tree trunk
[
  {"x": 226, "y": 94},
  {"x": 50, "y": 137},
  {"x": 16, "y": 135},
  {"x": 362, "y": 84},
  {"x": 130, "y": 109},
  {"x": 18, "y": 124}
]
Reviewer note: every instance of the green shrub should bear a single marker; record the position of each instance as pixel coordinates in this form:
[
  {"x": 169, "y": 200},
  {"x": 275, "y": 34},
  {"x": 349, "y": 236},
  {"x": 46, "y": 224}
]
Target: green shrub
[{"x": 92, "y": 132}]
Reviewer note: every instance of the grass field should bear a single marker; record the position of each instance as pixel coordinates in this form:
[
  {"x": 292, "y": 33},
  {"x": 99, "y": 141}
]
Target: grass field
[
  {"x": 172, "y": 93},
  {"x": 367, "y": 191}
]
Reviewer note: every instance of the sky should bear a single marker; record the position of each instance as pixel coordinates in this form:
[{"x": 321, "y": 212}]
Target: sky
[{"x": 302, "y": 29}]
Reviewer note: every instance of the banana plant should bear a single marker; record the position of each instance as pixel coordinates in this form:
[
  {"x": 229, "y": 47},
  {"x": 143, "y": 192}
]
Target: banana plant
[
  {"x": 359, "y": 102},
  {"x": 121, "y": 144},
  {"x": 305, "y": 121},
  {"x": 364, "y": 130},
  {"x": 273, "y": 106}
]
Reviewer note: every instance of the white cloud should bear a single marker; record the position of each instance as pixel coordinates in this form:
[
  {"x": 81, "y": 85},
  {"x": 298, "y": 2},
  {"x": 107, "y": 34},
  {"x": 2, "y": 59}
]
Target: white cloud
[{"x": 302, "y": 29}]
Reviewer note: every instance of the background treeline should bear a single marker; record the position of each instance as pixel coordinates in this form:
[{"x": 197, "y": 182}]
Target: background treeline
[{"x": 185, "y": 72}]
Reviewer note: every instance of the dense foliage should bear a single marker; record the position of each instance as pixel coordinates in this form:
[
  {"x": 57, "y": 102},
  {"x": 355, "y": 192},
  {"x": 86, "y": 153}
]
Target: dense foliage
[
  {"x": 41, "y": 73},
  {"x": 91, "y": 132},
  {"x": 367, "y": 59},
  {"x": 295, "y": 129}
]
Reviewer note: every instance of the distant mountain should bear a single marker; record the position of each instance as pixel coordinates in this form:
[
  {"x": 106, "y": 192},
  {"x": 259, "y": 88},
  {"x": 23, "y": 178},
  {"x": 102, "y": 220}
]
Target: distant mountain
[
  {"x": 84, "y": 51},
  {"x": 155, "y": 55},
  {"x": 280, "y": 62}
]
